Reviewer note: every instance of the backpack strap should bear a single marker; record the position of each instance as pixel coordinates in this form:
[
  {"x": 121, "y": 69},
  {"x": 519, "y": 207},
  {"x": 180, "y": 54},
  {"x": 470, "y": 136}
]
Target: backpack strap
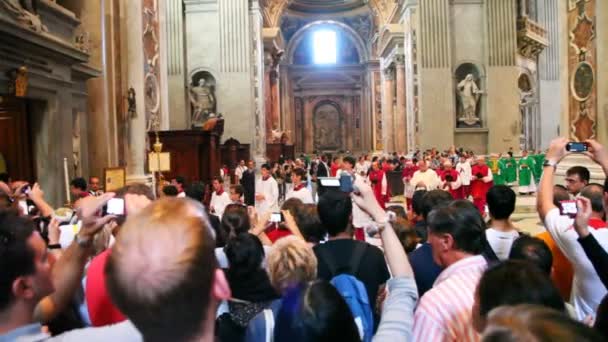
[
  {"x": 269, "y": 325},
  {"x": 357, "y": 256},
  {"x": 328, "y": 260}
]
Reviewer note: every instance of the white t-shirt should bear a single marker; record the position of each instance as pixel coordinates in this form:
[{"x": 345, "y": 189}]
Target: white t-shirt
[
  {"x": 501, "y": 242},
  {"x": 587, "y": 288}
]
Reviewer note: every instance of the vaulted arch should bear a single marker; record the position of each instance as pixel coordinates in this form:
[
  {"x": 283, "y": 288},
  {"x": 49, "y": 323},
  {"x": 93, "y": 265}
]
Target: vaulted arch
[{"x": 274, "y": 9}]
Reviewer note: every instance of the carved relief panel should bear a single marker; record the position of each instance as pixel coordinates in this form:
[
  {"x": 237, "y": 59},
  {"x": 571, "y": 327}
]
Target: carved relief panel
[
  {"x": 151, "y": 64},
  {"x": 582, "y": 65}
]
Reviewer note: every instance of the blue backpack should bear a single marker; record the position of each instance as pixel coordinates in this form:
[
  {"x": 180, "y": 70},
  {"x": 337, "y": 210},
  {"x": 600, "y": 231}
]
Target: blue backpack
[{"x": 353, "y": 291}]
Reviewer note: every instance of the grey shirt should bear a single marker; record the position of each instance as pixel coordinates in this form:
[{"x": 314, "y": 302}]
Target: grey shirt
[{"x": 398, "y": 312}]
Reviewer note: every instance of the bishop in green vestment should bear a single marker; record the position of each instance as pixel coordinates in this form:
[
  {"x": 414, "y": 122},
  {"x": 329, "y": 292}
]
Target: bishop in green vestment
[
  {"x": 494, "y": 165},
  {"x": 526, "y": 167},
  {"x": 539, "y": 159},
  {"x": 510, "y": 168}
]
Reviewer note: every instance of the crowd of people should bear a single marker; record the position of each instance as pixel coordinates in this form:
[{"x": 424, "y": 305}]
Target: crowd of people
[{"x": 267, "y": 259}]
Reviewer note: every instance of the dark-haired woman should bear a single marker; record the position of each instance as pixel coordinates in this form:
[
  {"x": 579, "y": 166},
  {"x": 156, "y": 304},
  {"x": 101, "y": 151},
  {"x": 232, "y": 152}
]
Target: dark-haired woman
[{"x": 249, "y": 284}]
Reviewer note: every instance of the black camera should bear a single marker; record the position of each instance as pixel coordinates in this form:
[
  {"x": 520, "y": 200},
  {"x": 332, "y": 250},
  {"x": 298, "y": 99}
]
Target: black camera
[
  {"x": 449, "y": 178},
  {"x": 479, "y": 175}
]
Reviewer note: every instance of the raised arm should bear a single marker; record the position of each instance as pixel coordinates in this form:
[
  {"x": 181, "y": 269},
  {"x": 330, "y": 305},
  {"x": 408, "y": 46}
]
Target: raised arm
[
  {"x": 544, "y": 200},
  {"x": 37, "y": 196},
  {"x": 398, "y": 312},
  {"x": 68, "y": 270}
]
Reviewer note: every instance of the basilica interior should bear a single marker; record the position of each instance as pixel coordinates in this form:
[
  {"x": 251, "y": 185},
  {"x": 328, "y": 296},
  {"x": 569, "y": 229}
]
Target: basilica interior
[{"x": 87, "y": 86}]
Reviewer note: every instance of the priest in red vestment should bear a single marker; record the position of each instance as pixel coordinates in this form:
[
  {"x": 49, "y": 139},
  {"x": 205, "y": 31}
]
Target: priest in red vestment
[
  {"x": 378, "y": 181},
  {"x": 481, "y": 182},
  {"x": 451, "y": 181}
]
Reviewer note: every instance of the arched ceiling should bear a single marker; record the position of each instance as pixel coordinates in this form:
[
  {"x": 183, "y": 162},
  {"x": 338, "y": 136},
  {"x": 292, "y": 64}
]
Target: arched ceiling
[
  {"x": 325, "y": 6},
  {"x": 274, "y": 9}
]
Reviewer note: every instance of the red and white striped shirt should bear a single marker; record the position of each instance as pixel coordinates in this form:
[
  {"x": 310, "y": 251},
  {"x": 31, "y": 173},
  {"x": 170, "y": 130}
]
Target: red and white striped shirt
[{"x": 444, "y": 312}]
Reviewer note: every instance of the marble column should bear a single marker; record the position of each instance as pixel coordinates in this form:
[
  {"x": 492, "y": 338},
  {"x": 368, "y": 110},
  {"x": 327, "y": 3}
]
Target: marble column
[
  {"x": 401, "y": 119},
  {"x": 388, "y": 97},
  {"x": 308, "y": 126},
  {"x": 98, "y": 20},
  {"x": 135, "y": 78},
  {"x": 177, "y": 99}
]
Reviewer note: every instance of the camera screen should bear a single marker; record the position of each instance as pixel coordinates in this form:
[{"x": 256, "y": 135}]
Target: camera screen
[
  {"x": 569, "y": 207},
  {"x": 330, "y": 182},
  {"x": 275, "y": 217},
  {"x": 116, "y": 206}
]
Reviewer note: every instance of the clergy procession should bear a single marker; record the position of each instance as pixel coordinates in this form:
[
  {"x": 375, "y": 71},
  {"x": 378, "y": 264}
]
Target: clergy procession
[{"x": 461, "y": 173}]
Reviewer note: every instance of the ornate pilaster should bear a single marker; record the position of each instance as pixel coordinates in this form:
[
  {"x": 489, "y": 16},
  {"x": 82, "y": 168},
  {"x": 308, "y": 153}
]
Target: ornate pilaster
[
  {"x": 388, "y": 97},
  {"x": 582, "y": 67},
  {"x": 400, "y": 113}
]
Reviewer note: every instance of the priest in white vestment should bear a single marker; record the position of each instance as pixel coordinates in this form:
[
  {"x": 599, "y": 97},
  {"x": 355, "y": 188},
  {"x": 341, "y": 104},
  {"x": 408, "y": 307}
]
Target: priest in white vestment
[
  {"x": 299, "y": 191},
  {"x": 219, "y": 198},
  {"x": 425, "y": 177},
  {"x": 266, "y": 192}
]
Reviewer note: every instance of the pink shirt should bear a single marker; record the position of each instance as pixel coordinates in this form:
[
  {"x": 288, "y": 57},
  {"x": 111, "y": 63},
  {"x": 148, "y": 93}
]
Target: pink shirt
[{"x": 444, "y": 312}]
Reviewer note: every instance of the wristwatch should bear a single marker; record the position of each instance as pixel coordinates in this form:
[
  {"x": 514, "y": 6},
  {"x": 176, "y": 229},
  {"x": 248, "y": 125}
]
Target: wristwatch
[{"x": 550, "y": 163}]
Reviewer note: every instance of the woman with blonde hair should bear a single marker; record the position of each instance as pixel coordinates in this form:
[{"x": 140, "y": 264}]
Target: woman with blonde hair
[{"x": 291, "y": 263}]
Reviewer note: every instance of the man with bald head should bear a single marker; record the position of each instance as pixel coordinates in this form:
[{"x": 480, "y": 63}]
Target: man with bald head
[
  {"x": 482, "y": 182},
  {"x": 162, "y": 272}
]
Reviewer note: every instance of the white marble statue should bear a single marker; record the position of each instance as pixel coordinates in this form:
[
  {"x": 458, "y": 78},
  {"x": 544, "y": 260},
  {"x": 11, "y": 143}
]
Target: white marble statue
[
  {"x": 469, "y": 96},
  {"x": 202, "y": 100}
]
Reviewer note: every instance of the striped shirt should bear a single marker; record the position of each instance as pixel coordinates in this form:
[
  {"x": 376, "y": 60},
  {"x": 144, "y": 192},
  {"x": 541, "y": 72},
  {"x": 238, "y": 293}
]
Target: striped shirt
[{"x": 444, "y": 312}]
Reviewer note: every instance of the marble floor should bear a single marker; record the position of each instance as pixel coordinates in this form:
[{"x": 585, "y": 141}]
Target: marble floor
[{"x": 525, "y": 217}]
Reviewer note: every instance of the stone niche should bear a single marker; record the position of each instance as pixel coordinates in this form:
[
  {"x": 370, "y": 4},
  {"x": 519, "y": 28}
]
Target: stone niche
[{"x": 45, "y": 38}]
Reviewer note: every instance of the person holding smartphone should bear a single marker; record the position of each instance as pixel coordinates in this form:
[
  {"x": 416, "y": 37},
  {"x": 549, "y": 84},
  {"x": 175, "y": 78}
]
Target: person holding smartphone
[{"x": 588, "y": 290}]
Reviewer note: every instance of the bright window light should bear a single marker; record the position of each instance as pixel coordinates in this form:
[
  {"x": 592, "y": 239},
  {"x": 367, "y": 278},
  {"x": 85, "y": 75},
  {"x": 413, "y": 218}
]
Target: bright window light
[{"x": 325, "y": 47}]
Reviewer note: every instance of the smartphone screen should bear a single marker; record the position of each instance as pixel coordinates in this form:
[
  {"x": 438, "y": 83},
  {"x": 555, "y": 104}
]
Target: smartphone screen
[
  {"x": 116, "y": 206},
  {"x": 568, "y": 208},
  {"x": 577, "y": 147},
  {"x": 330, "y": 182},
  {"x": 276, "y": 217}
]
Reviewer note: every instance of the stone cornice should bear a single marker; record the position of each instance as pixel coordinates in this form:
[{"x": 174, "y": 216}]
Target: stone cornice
[
  {"x": 390, "y": 36},
  {"x": 45, "y": 42}
]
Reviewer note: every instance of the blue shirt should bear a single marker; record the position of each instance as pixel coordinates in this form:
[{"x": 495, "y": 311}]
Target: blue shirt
[
  {"x": 31, "y": 333},
  {"x": 425, "y": 268}
]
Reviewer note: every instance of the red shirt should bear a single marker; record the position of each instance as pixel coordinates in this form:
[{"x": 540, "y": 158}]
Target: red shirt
[
  {"x": 101, "y": 309},
  {"x": 333, "y": 170},
  {"x": 408, "y": 171},
  {"x": 596, "y": 223},
  {"x": 276, "y": 234}
]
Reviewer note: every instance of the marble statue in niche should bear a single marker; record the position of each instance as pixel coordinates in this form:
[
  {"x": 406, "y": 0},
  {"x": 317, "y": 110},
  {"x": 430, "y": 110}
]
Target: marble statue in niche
[
  {"x": 202, "y": 98},
  {"x": 468, "y": 95}
]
